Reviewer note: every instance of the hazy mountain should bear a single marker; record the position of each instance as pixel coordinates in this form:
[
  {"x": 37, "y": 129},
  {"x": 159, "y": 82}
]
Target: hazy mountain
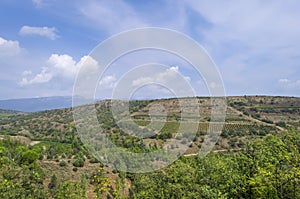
[
  {"x": 3, "y": 111},
  {"x": 36, "y": 104}
]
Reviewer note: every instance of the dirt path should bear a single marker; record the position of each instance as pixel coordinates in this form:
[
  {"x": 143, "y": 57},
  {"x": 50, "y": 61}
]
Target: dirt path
[
  {"x": 215, "y": 151},
  {"x": 21, "y": 139},
  {"x": 253, "y": 119}
]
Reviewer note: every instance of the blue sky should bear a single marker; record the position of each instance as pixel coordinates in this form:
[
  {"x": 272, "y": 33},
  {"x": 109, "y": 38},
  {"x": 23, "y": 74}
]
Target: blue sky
[{"x": 255, "y": 44}]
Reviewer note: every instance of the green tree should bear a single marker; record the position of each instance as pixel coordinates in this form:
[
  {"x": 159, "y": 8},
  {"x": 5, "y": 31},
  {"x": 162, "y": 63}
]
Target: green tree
[
  {"x": 69, "y": 190},
  {"x": 101, "y": 184},
  {"x": 53, "y": 182},
  {"x": 29, "y": 156}
]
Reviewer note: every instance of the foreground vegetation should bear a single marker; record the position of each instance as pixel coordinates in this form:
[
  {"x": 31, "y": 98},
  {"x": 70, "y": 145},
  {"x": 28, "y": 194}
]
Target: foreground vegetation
[{"x": 266, "y": 168}]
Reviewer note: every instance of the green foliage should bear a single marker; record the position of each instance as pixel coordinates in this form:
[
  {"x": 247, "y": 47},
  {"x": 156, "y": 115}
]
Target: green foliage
[
  {"x": 24, "y": 183},
  {"x": 94, "y": 160},
  {"x": 22, "y": 177},
  {"x": 165, "y": 136},
  {"x": 62, "y": 163},
  {"x": 29, "y": 156},
  {"x": 78, "y": 163},
  {"x": 83, "y": 186},
  {"x": 52, "y": 149},
  {"x": 69, "y": 190},
  {"x": 267, "y": 121},
  {"x": 267, "y": 168},
  {"x": 281, "y": 124},
  {"x": 53, "y": 183},
  {"x": 101, "y": 184}
]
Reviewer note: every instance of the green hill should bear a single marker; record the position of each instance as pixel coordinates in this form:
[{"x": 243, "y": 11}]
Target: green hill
[{"x": 257, "y": 154}]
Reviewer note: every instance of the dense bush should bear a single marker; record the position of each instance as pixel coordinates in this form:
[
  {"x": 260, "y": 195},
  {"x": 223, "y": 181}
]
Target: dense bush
[
  {"x": 78, "y": 163},
  {"x": 29, "y": 156},
  {"x": 281, "y": 124},
  {"x": 94, "y": 160},
  {"x": 267, "y": 168},
  {"x": 267, "y": 121},
  {"x": 62, "y": 163}
]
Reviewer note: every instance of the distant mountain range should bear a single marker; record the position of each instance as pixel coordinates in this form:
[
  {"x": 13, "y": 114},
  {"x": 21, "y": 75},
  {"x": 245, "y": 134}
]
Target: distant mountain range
[
  {"x": 36, "y": 104},
  {"x": 3, "y": 111}
]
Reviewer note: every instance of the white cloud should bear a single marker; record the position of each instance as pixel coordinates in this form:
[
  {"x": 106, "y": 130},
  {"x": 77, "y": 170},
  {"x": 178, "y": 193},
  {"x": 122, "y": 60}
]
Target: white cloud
[
  {"x": 168, "y": 75},
  {"x": 63, "y": 67},
  {"x": 146, "y": 81},
  {"x": 112, "y": 16},
  {"x": 41, "y": 31},
  {"x": 87, "y": 64},
  {"x": 43, "y": 3},
  {"x": 9, "y": 47},
  {"x": 26, "y": 73},
  {"x": 288, "y": 85},
  {"x": 37, "y": 3},
  {"x": 164, "y": 82},
  {"x": 283, "y": 81},
  {"x": 251, "y": 22},
  {"x": 116, "y": 16},
  {"x": 251, "y": 41},
  {"x": 43, "y": 77},
  {"x": 108, "y": 81}
]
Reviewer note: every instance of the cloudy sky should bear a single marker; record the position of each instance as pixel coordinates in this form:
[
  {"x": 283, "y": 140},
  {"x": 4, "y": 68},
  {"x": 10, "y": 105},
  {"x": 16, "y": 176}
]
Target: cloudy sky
[{"x": 254, "y": 44}]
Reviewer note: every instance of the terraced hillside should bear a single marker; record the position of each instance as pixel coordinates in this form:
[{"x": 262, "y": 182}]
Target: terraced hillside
[
  {"x": 246, "y": 117},
  {"x": 50, "y": 137}
]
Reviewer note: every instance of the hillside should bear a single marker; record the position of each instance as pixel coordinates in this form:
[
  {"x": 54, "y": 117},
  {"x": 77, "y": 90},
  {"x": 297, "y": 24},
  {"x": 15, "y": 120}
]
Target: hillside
[
  {"x": 7, "y": 113},
  {"x": 52, "y": 137},
  {"x": 246, "y": 116}
]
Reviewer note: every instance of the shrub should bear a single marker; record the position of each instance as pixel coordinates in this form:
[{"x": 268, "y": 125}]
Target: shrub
[
  {"x": 78, "y": 163},
  {"x": 267, "y": 121},
  {"x": 225, "y": 134},
  {"x": 256, "y": 116},
  {"x": 62, "y": 163},
  {"x": 262, "y": 132},
  {"x": 245, "y": 112},
  {"x": 164, "y": 136},
  {"x": 29, "y": 156},
  {"x": 41, "y": 157},
  {"x": 281, "y": 124},
  {"x": 53, "y": 183},
  {"x": 94, "y": 160}
]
